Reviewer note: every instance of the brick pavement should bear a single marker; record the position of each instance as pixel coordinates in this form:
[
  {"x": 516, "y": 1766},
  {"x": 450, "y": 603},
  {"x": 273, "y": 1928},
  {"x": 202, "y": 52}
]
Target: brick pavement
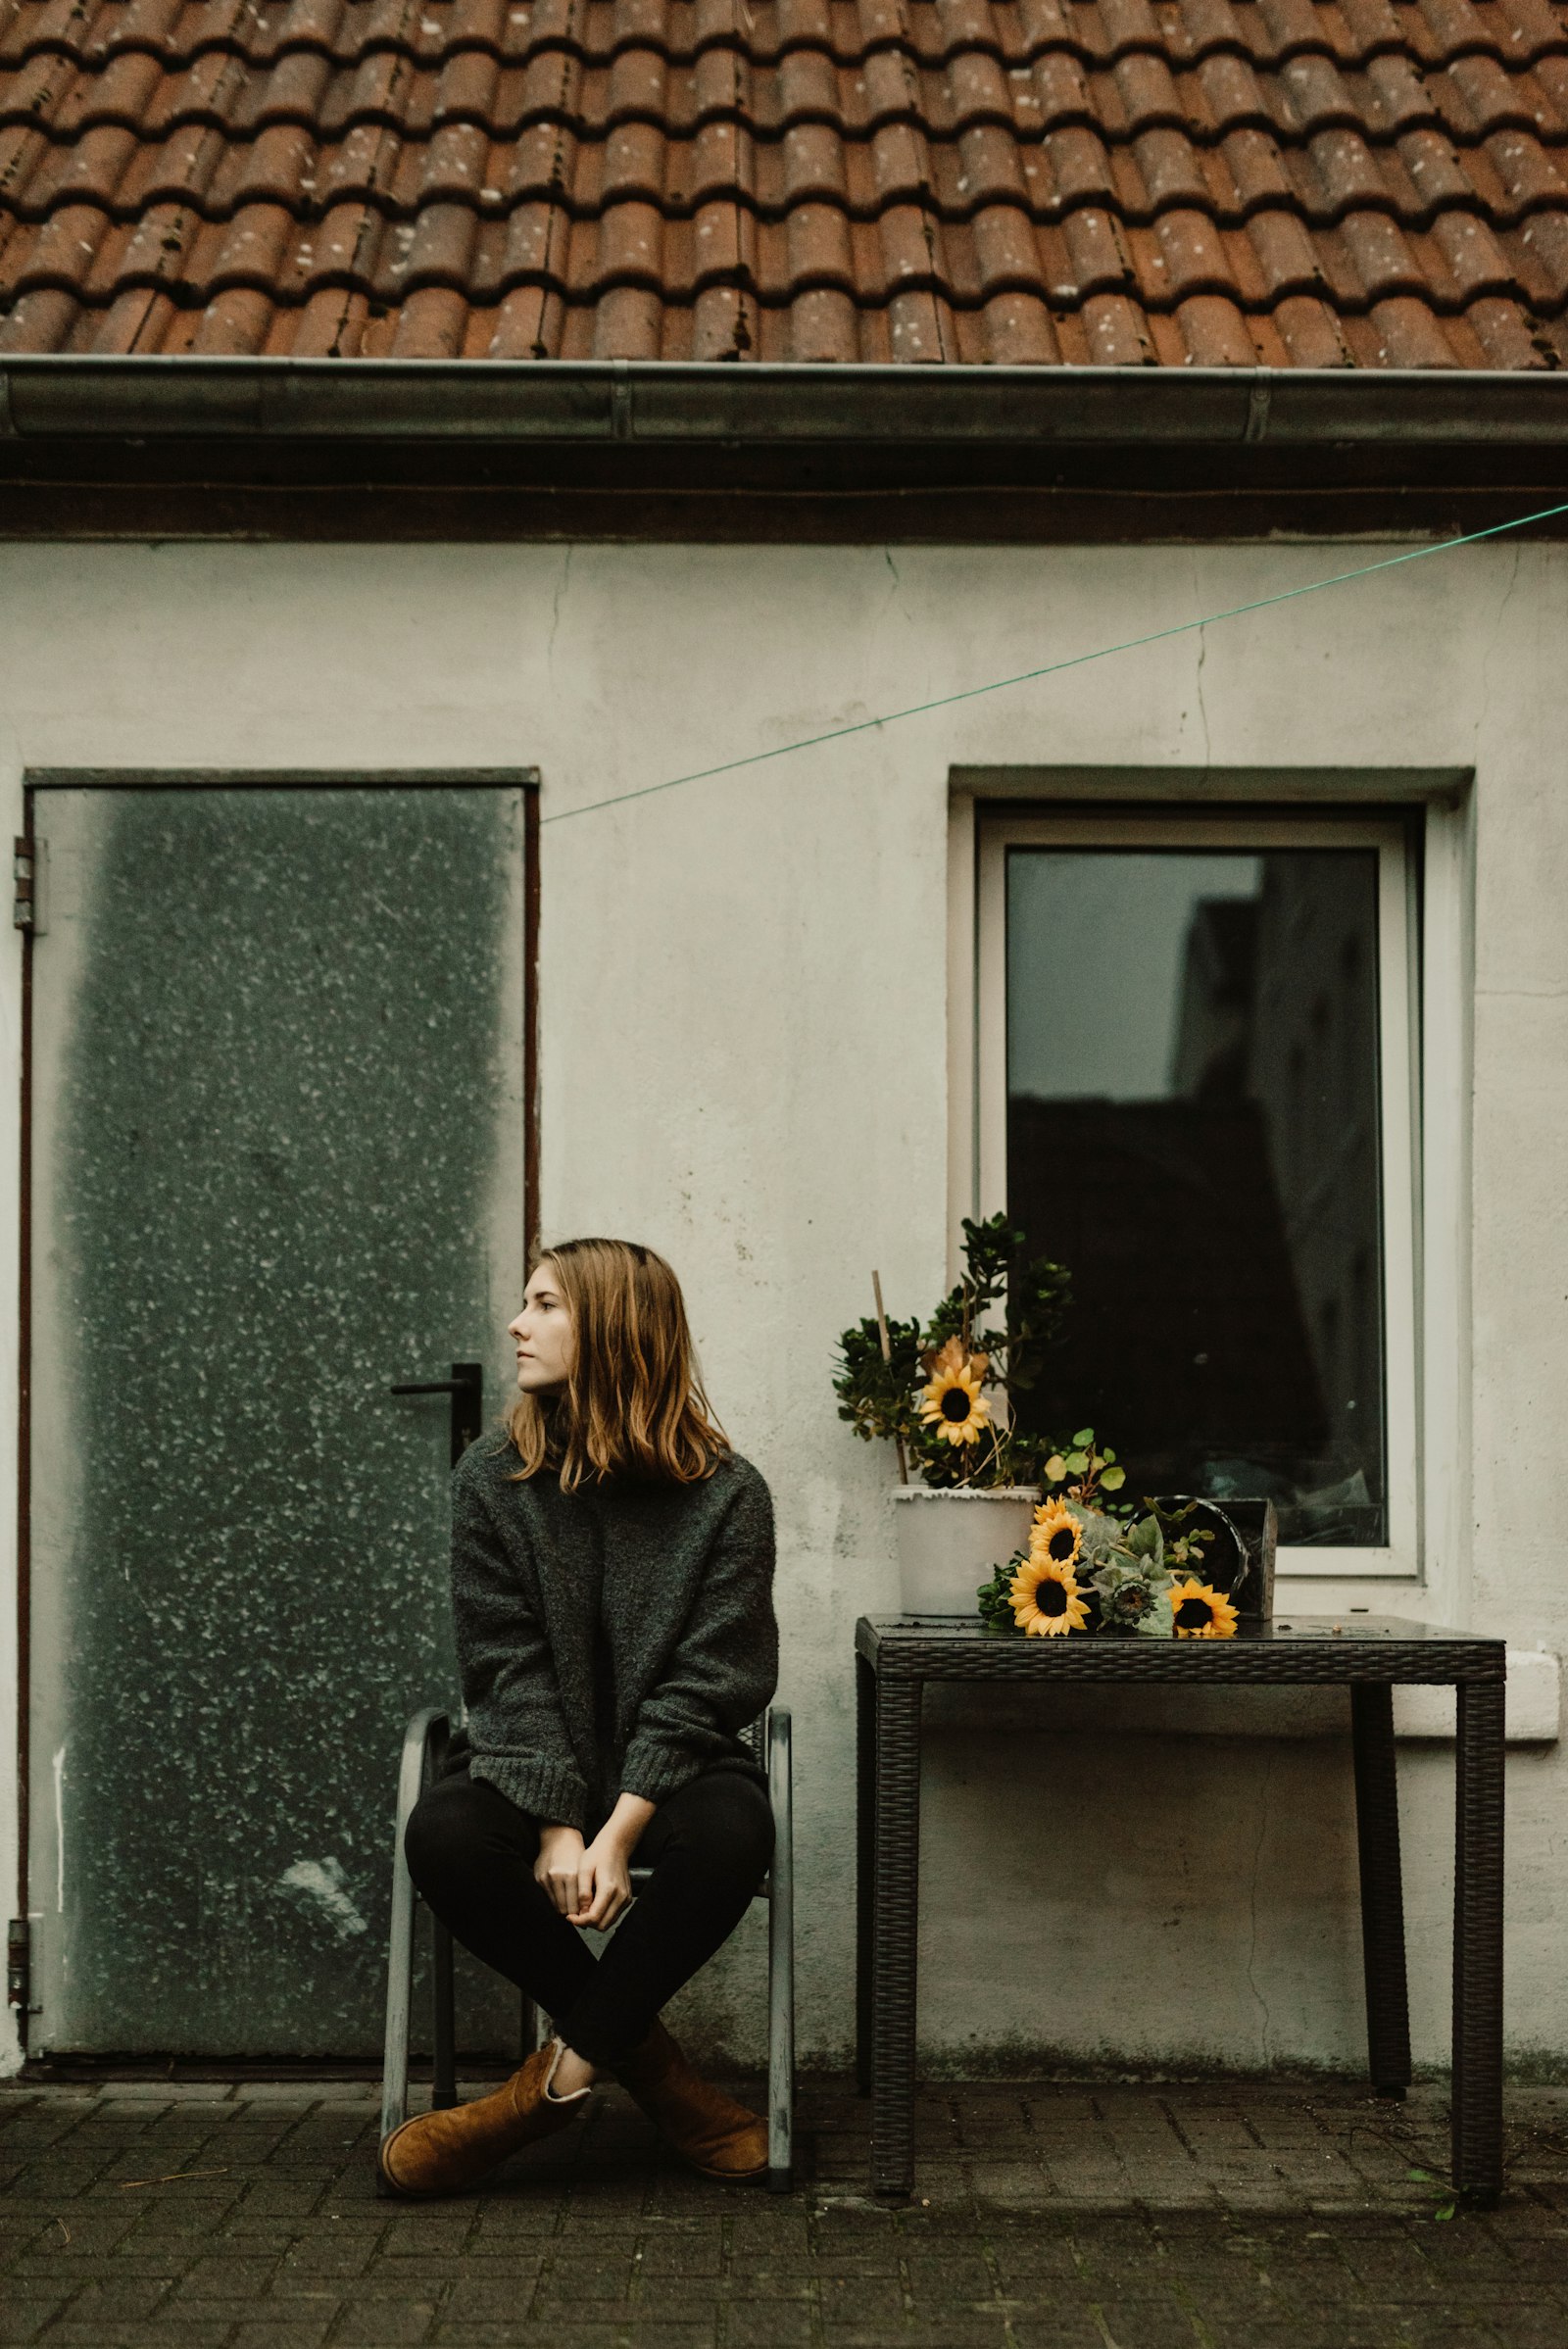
[{"x": 159, "y": 2214}]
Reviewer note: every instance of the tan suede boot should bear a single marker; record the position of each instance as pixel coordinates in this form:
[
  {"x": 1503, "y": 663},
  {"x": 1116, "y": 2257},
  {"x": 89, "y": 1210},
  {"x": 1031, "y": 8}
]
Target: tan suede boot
[
  {"x": 718, "y": 2136},
  {"x": 441, "y": 2153}
]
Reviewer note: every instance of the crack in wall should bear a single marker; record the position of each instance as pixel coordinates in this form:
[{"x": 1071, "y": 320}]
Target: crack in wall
[{"x": 556, "y": 602}]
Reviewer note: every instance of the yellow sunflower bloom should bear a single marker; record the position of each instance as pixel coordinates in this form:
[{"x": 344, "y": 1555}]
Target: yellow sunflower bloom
[
  {"x": 1056, "y": 1535},
  {"x": 1046, "y": 1599},
  {"x": 1201, "y": 1613},
  {"x": 953, "y": 1403}
]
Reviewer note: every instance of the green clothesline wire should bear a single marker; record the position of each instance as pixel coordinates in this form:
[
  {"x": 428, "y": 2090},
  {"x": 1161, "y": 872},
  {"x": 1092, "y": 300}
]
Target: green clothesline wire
[{"x": 1051, "y": 669}]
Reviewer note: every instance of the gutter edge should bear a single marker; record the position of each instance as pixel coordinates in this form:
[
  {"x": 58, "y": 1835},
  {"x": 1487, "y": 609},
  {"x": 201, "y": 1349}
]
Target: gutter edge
[{"x": 670, "y": 402}]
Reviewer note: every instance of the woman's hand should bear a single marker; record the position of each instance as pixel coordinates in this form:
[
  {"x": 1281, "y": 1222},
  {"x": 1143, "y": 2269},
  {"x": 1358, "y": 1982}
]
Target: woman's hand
[
  {"x": 603, "y": 1869},
  {"x": 558, "y": 1869},
  {"x": 605, "y": 1881}
]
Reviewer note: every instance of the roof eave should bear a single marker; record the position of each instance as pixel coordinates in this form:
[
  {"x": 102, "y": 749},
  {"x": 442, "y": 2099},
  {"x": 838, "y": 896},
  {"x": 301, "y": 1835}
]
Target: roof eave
[{"x": 674, "y": 402}]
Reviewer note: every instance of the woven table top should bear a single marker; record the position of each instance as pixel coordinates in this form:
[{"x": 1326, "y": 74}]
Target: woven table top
[{"x": 1291, "y": 1648}]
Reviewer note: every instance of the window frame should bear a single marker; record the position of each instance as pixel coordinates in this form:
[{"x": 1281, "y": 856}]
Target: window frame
[{"x": 1418, "y": 879}]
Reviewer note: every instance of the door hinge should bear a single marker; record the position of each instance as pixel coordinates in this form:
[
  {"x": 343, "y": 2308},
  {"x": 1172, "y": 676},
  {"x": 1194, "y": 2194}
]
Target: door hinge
[
  {"x": 19, "y": 1964},
  {"x": 30, "y": 866}
]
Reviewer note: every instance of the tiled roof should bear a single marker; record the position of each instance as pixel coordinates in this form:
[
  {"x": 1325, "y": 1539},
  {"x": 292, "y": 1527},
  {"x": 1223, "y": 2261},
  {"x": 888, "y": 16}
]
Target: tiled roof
[{"x": 1286, "y": 182}]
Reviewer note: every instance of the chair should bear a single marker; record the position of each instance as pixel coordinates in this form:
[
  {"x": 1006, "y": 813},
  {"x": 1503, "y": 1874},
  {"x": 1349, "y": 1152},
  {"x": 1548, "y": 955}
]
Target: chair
[{"x": 424, "y": 1744}]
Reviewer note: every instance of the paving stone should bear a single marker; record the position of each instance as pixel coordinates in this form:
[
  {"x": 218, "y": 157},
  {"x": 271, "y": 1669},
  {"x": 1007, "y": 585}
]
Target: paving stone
[
  {"x": 427, "y": 2233},
  {"x": 773, "y": 2326},
  {"x": 572, "y": 2276},
  {"x": 24, "y": 2315},
  {"x": 694, "y": 2261},
  {"x": 1358, "y": 2330},
  {"x": 120, "y": 2298},
  {"x": 1518, "y": 2327},
  {"x": 190, "y": 2332},
  {"x": 1157, "y": 2323},
  {"x": 491, "y": 2299},
  {"x": 853, "y": 2258},
  {"x": 954, "y": 2272},
  {"x": 292, "y": 2333},
  {"x": 958, "y": 2330},
  {"x": 45, "y": 2265},
  {"x": 215, "y": 2275},
  {"x": 552, "y": 2335},
  {"x": 386, "y": 2324},
  {"x": 1073, "y": 2331},
  {"x": 861, "y": 2300}
]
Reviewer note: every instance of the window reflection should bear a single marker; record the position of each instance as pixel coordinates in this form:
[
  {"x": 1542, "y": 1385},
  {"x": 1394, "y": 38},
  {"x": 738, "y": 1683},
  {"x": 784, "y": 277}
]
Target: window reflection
[{"x": 1192, "y": 1130}]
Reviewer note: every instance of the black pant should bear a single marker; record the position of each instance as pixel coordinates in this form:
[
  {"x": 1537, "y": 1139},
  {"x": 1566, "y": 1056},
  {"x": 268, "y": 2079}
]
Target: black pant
[{"x": 471, "y": 1854}]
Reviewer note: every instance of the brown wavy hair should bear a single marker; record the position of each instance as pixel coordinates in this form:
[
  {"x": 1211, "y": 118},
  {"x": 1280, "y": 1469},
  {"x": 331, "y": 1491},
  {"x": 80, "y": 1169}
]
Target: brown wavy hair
[{"x": 634, "y": 1403}]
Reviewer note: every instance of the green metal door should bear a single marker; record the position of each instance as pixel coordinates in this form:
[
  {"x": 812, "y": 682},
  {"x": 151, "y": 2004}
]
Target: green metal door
[{"x": 278, "y": 1128}]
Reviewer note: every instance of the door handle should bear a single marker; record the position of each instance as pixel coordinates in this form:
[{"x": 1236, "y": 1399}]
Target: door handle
[{"x": 466, "y": 1386}]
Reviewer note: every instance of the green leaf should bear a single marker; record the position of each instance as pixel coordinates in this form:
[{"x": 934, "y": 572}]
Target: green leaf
[
  {"x": 1077, "y": 1461},
  {"x": 1107, "y": 1454},
  {"x": 1143, "y": 1539},
  {"x": 1160, "y": 1621},
  {"x": 1083, "y": 1437},
  {"x": 1114, "y": 1479},
  {"x": 1099, "y": 1533}
]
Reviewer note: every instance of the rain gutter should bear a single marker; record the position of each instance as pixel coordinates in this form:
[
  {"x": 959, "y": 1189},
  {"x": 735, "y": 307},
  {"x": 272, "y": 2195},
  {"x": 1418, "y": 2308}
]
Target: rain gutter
[{"x": 672, "y": 403}]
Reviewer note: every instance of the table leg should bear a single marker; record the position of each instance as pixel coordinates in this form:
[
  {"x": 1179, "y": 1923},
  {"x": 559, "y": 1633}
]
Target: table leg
[
  {"x": 1377, "y": 1819},
  {"x": 1478, "y": 1944},
  {"x": 893, "y": 1939},
  {"x": 864, "y": 1864}
]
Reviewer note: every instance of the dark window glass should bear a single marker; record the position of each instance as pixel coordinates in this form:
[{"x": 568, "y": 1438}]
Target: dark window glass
[{"x": 1192, "y": 1130}]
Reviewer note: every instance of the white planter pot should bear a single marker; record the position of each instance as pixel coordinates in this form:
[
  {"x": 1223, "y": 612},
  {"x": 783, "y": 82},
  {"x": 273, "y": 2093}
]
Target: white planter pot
[{"x": 950, "y": 1542}]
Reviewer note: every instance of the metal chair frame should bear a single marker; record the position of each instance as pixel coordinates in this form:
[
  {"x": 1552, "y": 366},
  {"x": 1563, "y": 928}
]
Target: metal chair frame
[{"x": 424, "y": 1744}]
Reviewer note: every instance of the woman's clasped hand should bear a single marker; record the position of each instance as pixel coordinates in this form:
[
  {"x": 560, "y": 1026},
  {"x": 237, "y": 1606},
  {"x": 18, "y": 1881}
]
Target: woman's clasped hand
[{"x": 590, "y": 1883}]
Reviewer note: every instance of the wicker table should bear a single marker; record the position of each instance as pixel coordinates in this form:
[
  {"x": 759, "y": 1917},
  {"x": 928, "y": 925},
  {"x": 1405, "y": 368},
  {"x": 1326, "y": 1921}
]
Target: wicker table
[{"x": 1370, "y": 1655}]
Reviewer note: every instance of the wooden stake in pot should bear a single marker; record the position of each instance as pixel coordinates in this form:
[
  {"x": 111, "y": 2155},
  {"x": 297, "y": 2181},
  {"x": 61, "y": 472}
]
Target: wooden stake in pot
[{"x": 887, "y": 1356}]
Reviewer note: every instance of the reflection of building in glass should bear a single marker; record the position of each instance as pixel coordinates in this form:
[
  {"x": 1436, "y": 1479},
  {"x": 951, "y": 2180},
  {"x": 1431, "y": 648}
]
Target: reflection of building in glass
[
  {"x": 1224, "y": 1238},
  {"x": 1278, "y": 1005},
  {"x": 1214, "y": 1009},
  {"x": 1186, "y": 1346}
]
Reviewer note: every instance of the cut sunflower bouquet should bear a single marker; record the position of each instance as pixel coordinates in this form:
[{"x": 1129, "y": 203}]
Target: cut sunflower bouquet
[{"x": 1094, "y": 1564}]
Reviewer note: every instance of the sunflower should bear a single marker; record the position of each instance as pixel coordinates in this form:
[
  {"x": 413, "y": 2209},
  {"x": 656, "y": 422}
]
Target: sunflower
[
  {"x": 1046, "y": 1599},
  {"x": 1201, "y": 1613},
  {"x": 954, "y": 1404},
  {"x": 1055, "y": 1536}
]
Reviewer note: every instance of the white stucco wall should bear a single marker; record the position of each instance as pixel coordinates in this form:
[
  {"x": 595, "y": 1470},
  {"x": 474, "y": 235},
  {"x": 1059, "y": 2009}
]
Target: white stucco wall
[{"x": 744, "y": 1062}]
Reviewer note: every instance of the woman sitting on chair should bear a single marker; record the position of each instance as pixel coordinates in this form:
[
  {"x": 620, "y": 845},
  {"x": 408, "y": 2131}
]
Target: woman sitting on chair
[{"x": 612, "y": 1584}]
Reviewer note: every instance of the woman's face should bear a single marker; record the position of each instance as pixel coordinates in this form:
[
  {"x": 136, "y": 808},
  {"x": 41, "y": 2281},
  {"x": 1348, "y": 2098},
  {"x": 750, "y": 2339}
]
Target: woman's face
[{"x": 543, "y": 1333}]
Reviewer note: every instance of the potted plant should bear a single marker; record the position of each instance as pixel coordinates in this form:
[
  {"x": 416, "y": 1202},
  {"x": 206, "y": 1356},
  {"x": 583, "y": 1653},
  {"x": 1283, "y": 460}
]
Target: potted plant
[{"x": 942, "y": 1393}]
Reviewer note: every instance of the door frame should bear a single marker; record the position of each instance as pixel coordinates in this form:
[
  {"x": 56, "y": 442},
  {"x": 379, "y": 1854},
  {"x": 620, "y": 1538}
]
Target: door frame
[{"x": 16, "y": 1230}]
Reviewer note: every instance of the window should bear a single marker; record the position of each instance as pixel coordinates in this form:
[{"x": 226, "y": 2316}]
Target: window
[{"x": 1193, "y": 1088}]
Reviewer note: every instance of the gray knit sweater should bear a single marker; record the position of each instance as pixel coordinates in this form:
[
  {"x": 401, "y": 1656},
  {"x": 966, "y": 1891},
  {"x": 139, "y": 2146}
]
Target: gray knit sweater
[{"x": 683, "y": 1575}]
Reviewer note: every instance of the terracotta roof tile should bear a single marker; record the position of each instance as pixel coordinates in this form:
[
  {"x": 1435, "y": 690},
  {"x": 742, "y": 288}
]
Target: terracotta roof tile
[{"x": 1206, "y": 183}]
